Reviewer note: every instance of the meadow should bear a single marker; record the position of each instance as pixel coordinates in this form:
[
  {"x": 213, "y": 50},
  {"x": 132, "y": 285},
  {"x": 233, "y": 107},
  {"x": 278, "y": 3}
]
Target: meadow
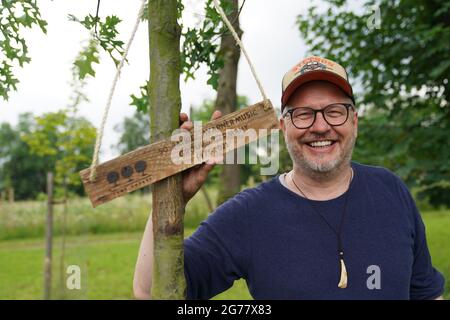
[{"x": 104, "y": 242}]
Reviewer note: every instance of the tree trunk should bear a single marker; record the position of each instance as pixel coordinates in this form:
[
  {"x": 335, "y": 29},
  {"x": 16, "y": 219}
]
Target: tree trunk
[
  {"x": 11, "y": 195},
  {"x": 226, "y": 100},
  {"x": 165, "y": 105},
  {"x": 62, "y": 267},
  {"x": 48, "y": 239}
]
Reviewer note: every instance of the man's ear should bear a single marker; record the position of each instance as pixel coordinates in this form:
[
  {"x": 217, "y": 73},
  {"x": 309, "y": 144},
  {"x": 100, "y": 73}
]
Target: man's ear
[
  {"x": 355, "y": 122},
  {"x": 282, "y": 124}
]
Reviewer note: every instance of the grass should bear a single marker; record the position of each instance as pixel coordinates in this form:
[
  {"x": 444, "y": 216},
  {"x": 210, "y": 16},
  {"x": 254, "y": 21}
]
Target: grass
[
  {"x": 107, "y": 263},
  {"x": 438, "y": 238},
  {"x": 26, "y": 219},
  {"x": 105, "y": 242}
]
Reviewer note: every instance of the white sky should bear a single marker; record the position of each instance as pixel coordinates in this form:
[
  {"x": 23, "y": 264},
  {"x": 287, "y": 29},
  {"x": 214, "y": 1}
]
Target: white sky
[{"x": 270, "y": 36}]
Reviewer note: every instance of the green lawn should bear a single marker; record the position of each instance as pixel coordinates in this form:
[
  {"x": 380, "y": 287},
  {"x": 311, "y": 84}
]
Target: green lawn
[{"x": 107, "y": 263}]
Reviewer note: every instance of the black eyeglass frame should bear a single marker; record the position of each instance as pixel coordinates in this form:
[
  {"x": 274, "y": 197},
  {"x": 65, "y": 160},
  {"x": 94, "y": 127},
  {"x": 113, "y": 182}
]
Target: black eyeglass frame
[{"x": 322, "y": 111}]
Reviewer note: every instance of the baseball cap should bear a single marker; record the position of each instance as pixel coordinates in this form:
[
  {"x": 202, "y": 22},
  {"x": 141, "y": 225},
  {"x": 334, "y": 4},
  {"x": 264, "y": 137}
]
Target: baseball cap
[{"x": 314, "y": 68}]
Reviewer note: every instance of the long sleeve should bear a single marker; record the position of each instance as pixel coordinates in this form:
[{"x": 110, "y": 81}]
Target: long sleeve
[
  {"x": 426, "y": 281},
  {"x": 217, "y": 253}
]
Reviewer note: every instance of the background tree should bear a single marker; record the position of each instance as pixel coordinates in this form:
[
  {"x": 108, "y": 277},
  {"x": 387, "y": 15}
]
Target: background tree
[
  {"x": 226, "y": 100},
  {"x": 64, "y": 142},
  {"x": 53, "y": 141},
  {"x": 403, "y": 70},
  {"x": 135, "y": 132},
  {"x": 20, "y": 170}
]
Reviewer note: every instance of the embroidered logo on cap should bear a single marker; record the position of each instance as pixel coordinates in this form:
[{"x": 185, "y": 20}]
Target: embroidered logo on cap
[{"x": 313, "y": 65}]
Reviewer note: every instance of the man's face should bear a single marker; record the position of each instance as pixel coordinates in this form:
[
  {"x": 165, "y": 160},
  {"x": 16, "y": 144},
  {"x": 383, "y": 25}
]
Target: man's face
[{"x": 300, "y": 142}]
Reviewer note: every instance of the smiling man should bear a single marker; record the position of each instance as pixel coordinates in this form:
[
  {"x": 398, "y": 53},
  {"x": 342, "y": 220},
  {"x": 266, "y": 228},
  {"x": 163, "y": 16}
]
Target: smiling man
[{"x": 328, "y": 229}]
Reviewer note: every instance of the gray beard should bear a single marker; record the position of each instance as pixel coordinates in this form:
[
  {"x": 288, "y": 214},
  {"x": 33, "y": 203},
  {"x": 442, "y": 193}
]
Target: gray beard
[{"x": 327, "y": 168}]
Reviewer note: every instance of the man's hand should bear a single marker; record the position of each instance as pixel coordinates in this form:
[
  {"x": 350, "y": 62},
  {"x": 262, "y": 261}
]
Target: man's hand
[{"x": 195, "y": 177}]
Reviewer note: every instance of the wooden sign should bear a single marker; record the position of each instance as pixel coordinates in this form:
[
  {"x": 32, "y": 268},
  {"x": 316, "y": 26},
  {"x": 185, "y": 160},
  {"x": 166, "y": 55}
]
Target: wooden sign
[{"x": 155, "y": 162}]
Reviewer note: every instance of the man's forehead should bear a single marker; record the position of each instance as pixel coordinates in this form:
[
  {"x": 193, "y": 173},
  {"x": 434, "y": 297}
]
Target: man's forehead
[{"x": 318, "y": 92}]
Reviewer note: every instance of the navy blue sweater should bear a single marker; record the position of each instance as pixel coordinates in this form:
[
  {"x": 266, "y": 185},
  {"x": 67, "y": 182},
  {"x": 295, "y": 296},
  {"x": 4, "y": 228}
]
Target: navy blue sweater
[{"x": 271, "y": 237}]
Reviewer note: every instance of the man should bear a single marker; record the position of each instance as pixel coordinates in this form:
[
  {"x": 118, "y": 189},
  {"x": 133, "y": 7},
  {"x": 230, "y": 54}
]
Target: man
[{"x": 328, "y": 229}]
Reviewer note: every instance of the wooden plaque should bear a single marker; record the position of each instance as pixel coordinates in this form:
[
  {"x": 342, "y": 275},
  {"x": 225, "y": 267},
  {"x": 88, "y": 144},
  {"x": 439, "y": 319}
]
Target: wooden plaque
[{"x": 153, "y": 162}]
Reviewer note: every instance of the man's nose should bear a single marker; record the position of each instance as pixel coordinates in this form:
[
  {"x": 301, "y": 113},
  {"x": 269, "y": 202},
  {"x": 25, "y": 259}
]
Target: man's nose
[{"x": 320, "y": 125}]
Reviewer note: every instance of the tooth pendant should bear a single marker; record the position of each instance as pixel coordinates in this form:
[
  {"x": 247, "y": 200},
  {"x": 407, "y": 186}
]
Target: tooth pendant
[{"x": 343, "y": 281}]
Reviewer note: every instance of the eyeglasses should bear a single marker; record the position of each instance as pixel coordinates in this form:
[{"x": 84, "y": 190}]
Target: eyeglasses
[{"x": 335, "y": 114}]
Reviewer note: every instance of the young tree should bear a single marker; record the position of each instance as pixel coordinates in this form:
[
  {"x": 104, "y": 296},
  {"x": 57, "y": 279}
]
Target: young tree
[{"x": 165, "y": 105}]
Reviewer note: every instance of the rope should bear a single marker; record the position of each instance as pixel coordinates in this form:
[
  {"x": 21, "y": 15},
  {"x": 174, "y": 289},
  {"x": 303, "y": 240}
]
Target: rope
[
  {"x": 98, "y": 141},
  {"x": 241, "y": 45}
]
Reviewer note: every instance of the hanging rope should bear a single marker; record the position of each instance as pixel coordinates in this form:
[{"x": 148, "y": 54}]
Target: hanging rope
[
  {"x": 241, "y": 45},
  {"x": 122, "y": 61},
  {"x": 98, "y": 141}
]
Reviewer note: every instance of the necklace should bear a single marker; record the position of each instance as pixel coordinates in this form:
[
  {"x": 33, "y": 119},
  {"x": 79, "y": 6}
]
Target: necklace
[{"x": 344, "y": 278}]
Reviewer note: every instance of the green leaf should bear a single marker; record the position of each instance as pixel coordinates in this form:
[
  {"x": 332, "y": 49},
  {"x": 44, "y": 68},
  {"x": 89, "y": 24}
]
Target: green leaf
[
  {"x": 105, "y": 39},
  {"x": 141, "y": 103},
  {"x": 85, "y": 60},
  {"x": 14, "y": 16}
]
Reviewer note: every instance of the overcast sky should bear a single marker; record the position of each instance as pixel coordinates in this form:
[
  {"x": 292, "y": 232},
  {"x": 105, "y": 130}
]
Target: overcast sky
[{"x": 270, "y": 36}]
